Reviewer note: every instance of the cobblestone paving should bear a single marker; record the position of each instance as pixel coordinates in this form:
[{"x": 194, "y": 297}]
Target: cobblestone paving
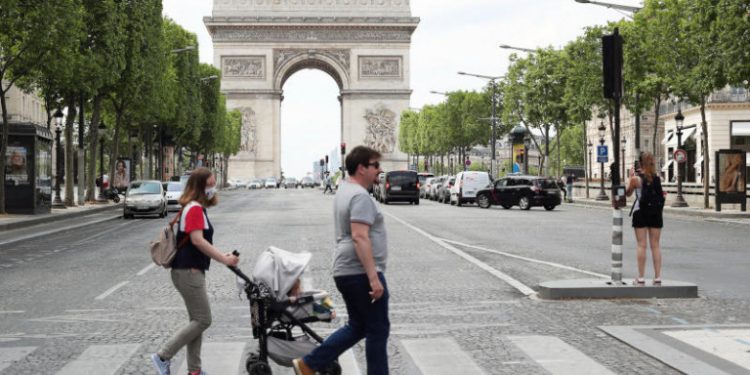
[{"x": 48, "y": 301}]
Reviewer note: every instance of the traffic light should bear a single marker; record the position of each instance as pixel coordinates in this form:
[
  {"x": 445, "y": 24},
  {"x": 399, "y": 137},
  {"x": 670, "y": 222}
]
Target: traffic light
[
  {"x": 612, "y": 65},
  {"x": 326, "y": 159},
  {"x": 343, "y": 148},
  {"x": 321, "y": 162}
]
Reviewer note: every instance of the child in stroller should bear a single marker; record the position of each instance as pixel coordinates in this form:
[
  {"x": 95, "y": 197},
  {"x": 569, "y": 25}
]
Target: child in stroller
[{"x": 278, "y": 305}]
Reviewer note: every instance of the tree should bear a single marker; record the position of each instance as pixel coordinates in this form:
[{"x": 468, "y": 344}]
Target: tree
[
  {"x": 733, "y": 29},
  {"x": 29, "y": 38},
  {"x": 407, "y": 131}
]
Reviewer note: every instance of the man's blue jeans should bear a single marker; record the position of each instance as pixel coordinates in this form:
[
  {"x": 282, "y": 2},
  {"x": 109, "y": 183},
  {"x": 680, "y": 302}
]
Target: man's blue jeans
[{"x": 366, "y": 320}]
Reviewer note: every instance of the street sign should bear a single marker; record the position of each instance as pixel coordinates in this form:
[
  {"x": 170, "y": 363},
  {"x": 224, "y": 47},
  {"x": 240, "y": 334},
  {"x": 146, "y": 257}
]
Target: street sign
[
  {"x": 680, "y": 156},
  {"x": 468, "y": 162},
  {"x": 602, "y": 154}
]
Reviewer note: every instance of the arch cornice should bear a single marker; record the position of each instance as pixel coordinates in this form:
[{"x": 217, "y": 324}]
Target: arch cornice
[{"x": 335, "y": 62}]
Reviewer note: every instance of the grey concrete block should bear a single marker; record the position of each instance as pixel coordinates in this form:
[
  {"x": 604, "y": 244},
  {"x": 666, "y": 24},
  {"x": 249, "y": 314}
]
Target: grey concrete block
[{"x": 602, "y": 288}]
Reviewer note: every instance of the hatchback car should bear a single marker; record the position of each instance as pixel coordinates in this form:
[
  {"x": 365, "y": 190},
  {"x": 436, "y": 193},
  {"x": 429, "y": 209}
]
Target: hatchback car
[
  {"x": 290, "y": 183},
  {"x": 145, "y": 198},
  {"x": 522, "y": 191},
  {"x": 270, "y": 183},
  {"x": 174, "y": 192},
  {"x": 255, "y": 183},
  {"x": 443, "y": 194},
  {"x": 399, "y": 186},
  {"x": 307, "y": 182}
]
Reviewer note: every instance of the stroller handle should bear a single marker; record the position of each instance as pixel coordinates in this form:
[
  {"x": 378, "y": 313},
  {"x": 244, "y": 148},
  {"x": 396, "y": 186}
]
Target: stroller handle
[{"x": 237, "y": 271}]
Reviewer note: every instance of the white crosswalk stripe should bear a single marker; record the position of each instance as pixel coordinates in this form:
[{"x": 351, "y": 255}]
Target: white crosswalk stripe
[
  {"x": 557, "y": 357},
  {"x": 730, "y": 344},
  {"x": 100, "y": 360},
  {"x": 348, "y": 363},
  {"x": 220, "y": 358},
  {"x": 10, "y": 355},
  {"x": 441, "y": 356}
]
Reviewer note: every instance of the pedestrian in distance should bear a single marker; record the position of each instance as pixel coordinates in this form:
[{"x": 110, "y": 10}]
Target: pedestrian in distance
[
  {"x": 327, "y": 182},
  {"x": 189, "y": 270},
  {"x": 569, "y": 180},
  {"x": 358, "y": 270},
  {"x": 647, "y": 215}
]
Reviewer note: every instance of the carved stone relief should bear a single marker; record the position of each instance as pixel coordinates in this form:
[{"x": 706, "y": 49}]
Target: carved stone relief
[
  {"x": 300, "y": 34},
  {"x": 281, "y": 56},
  {"x": 379, "y": 67},
  {"x": 253, "y": 67},
  {"x": 381, "y": 129},
  {"x": 249, "y": 136}
]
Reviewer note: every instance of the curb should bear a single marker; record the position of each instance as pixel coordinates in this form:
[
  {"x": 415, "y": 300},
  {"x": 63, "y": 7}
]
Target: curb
[
  {"x": 58, "y": 230},
  {"x": 671, "y": 211},
  {"x": 52, "y": 218}
]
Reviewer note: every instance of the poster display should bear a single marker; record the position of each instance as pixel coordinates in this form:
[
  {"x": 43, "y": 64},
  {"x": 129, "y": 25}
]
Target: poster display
[
  {"x": 518, "y": 157},
  {"x": 121, "y": 179},
  {"x": 16, "y": 166}
]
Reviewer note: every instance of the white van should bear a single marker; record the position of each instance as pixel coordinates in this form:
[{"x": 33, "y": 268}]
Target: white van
[{"x": 467, "y": 185}]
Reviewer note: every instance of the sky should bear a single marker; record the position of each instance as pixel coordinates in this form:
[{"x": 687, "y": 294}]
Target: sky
[{"x": 453, "y": 35}]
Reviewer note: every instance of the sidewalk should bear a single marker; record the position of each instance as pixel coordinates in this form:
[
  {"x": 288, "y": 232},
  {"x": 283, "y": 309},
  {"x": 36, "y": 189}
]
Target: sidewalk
[
  {"x": 10, "y": 222},
  {"x": 734, "y": 216}
]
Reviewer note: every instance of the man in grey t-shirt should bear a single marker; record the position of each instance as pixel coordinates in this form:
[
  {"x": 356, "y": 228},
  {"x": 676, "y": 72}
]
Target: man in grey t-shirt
[{"x": 358, "y": 267}]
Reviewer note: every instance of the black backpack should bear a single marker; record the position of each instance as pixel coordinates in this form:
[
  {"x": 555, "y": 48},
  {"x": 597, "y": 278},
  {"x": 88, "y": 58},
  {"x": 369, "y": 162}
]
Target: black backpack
[{"x": 652, "y": 195}]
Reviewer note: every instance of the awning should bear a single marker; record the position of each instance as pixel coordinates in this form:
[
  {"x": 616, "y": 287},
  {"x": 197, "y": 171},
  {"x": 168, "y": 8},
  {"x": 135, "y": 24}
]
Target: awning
[
  {"x": 666, "y": 137},
  {"x": 666, "y": 166},
  {"x": 689, "y": 133},
  {"x": 686, "y": 133},
  {"x": 697, "y": 164}
]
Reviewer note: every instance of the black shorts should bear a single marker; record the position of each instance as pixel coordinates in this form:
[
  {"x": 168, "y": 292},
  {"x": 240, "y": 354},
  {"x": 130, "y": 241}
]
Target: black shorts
[{"x": 651, "y": 219}]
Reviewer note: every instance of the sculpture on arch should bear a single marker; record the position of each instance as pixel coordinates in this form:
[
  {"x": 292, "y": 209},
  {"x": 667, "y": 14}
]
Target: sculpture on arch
[
  {"x": 381, "y": 129},
  {"x": 249, "y": 140}
]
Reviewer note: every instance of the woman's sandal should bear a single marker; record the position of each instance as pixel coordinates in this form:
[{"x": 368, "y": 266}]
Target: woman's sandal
[
  {"x": 639, "y": 282},
  {"x": 657, "y": 281}
]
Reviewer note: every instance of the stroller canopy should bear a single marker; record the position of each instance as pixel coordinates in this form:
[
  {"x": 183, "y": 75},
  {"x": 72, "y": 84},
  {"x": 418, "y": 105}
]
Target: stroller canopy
[{"x": 279, "y": 269}]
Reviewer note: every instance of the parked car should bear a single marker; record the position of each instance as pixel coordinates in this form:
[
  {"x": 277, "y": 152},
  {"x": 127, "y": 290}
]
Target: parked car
[
  {"x": 255, "y": 183},
  {"x": 290, "y": 183},
  {"x": 240, "y": 184},
  {"x": 523, "y": 191},
  {"x": 145, "y": 198},
  {"x": 434, "y": 186},
  {"x": 444, "y": 190},
  {"x": 466, "y": 186},
  {"x": 424, "y": 187},
  {"x": 423, "y": 176},
  {"x": 376, "y": 186},
  {"x": 400, "y": 186},
  {"x": 173, "y": 194},
  {"x": 270, "y": 183},
  {"x": 307, "y": 182}
]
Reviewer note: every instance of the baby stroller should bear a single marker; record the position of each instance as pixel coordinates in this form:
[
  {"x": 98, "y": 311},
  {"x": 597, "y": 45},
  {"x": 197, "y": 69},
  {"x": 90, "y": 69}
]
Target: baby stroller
[{"x": 274, "y": 315}]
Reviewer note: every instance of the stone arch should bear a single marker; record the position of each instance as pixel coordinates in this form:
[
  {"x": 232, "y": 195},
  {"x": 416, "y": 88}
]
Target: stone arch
[{"x": 310, "y": 60}]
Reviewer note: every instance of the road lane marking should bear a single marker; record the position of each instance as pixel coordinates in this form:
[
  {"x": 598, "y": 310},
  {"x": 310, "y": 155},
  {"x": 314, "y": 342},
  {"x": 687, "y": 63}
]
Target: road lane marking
[
  {"x": 10, "y": 355},
  {"x": 111, "y": 290},
  {"x": 525, "y": 290},
  {"x": 100, "y": 360},
  {"x": 440, "y": 356},
  {"x": 532, "y": 260},
  {"x": 557, "y": 357},
  {"x": 219, "y": 358},
  {"x": 146, "y": 269},
  {"x": 12, "y": 312},
  {"x": 348, "y": 363}
]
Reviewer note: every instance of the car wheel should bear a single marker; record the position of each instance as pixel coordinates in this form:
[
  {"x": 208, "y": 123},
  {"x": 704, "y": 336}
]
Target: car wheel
[
  {"x": 116, "y": 199},
  {"x": 524, "y": 204},
  {"x": 483, "y": 201},
  {"x": 459, "y": 202},
  {"x": 549, "y": 207},
  {"x": 416, "y": 202}
]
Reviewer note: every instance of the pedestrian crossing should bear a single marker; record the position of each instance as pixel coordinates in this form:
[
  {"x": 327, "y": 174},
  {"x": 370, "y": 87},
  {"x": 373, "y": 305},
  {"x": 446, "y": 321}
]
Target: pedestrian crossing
[{"x": 426, "y": 356}]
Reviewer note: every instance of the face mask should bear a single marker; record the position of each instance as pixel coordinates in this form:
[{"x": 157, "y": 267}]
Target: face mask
[{"x": 210, "y": 192}]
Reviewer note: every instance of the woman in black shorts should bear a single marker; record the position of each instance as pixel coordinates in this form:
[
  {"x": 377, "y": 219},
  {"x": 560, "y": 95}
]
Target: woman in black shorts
[{"x": 647, "y": 223}]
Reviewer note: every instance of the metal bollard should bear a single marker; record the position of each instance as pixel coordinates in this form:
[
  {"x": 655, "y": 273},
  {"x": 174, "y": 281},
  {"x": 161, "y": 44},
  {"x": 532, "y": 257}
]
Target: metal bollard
[{"x": 616, "y": 246}]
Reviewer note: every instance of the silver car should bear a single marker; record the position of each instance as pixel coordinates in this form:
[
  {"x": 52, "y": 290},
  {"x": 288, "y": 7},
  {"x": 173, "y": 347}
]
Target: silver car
[
  {"x": 145, "y": 198},
  {"x": 174, "y": 192}
]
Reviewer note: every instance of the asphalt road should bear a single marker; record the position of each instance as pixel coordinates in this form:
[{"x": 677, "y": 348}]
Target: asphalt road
[{"x": 66, "y": 297}]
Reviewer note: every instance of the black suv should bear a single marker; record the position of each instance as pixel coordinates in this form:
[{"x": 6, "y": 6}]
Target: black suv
[
  {"x": 522, "y": 191},
  {"x": 399, "y": 186}
]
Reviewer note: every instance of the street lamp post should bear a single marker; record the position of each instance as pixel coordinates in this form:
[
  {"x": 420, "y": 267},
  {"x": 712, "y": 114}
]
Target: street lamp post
[
  {"x": 102, "y": 128},
  {"x": 624, "y": 144},
  {"x": 505, "y": 46},
  {"x": 625, "y": 8},
  {"x": 602, "y": 195},
  {"x": 679, "y": 200},
  {"x": 493, "y": 119},
  {"x": 590, "y": 145},
  {"x": 57, "y": 201}
]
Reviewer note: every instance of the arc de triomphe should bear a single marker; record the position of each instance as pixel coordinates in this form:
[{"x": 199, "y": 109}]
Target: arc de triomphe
[{"x": 362, "y": 44}]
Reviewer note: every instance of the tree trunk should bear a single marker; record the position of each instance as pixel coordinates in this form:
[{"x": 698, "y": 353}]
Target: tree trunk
[
  {"x": 558, "y": 154},
  {"x": 3, "y": 147},
  {"x": 656, "y": 124},
  {"x": 93, "y": 149},
  {"x": 706, "y": 156},
  {"x": 69, "y": 156},
  {"x": 115, "y": 148}
]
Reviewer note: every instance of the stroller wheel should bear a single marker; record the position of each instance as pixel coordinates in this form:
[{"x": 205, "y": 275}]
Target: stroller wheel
[
  {"x": 333, "y": 369},
  {"x": 258, "y": 368}
]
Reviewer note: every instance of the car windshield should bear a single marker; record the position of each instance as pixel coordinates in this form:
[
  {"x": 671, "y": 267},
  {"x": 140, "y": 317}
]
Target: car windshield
[
  {"x": 174, "y": 186},
  {"x": 138, "y": 188}
]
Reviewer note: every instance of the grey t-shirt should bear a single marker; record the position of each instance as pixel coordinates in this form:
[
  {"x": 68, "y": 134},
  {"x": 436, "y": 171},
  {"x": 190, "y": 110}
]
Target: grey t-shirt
[{"x": 353, "y": 204}]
